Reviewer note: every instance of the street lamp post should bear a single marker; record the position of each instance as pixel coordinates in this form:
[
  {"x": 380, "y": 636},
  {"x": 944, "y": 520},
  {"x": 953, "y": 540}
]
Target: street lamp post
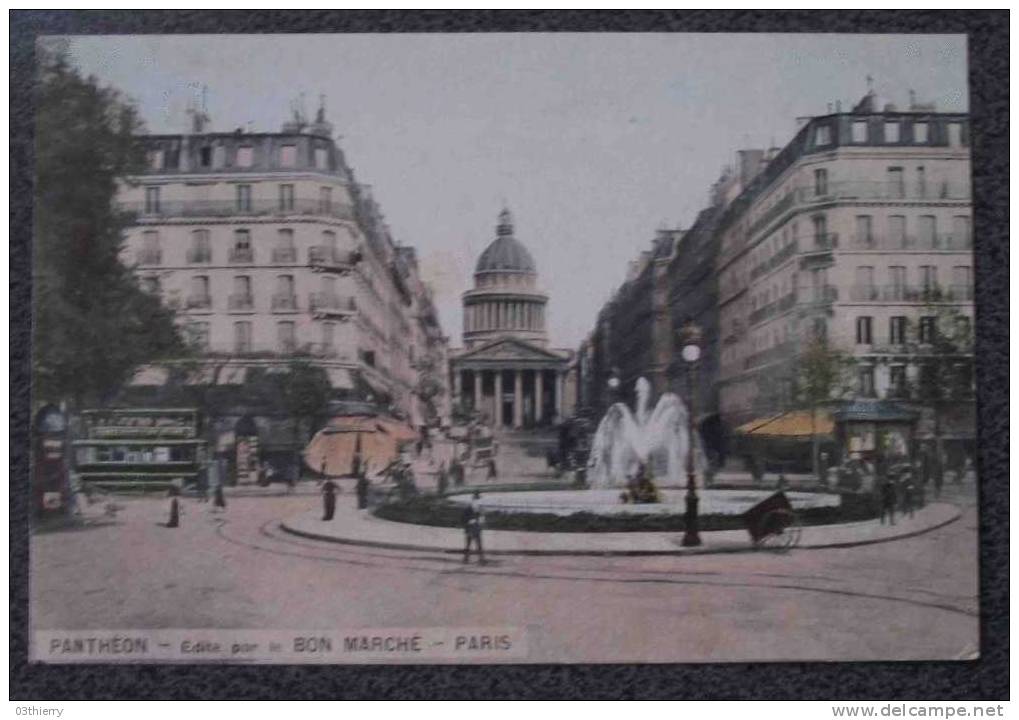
[{"x": 690, "y": 341}]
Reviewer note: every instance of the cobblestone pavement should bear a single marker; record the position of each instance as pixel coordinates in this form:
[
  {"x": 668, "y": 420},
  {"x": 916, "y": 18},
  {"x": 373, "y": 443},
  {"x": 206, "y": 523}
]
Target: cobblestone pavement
[{"x": 910, "y": 599}]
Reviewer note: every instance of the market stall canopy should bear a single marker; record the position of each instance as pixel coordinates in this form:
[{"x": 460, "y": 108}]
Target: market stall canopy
[
  {"x": 792, "y": 425},
  {"x": 332, "y": 449}
]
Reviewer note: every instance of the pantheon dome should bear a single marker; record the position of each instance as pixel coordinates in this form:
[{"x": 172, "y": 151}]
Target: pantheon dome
[
  {"x": 506, "y": 375},
  {"x": 505, "y": 301}
]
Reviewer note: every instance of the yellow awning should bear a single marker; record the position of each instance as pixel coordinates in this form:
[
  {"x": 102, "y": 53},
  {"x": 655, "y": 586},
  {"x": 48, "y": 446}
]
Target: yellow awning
[{"x": 791, "y": 425}]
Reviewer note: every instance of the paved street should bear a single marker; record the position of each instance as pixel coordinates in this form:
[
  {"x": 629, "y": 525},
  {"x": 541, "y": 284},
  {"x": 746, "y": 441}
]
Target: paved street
[{"x": 913, "y": 598}]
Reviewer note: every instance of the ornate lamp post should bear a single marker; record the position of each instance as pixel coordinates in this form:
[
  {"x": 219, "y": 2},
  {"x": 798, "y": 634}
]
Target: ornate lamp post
[{"x": 690, "y": 337}]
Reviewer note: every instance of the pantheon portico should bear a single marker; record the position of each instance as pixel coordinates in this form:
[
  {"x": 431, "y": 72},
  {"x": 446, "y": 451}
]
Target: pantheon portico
[{"x": 506, "y": 371}]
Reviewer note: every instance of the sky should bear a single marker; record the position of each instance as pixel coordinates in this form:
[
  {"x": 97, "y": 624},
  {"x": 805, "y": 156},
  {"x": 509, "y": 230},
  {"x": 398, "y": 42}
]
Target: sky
[{"x": 593, "y": 141}]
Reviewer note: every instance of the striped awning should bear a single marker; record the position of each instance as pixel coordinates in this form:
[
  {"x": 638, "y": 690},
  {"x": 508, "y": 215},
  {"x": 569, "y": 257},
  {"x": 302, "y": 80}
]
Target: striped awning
[{"x": 792, "y": 425}]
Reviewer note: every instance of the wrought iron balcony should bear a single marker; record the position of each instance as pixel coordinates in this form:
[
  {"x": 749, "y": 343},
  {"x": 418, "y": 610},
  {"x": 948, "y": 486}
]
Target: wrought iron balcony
[
  {"x": 242, "y": 256},
  {"x": 943, "y": 242},
  {"x": 326, "y": 304},
  {"x": 284, "y": 303},
  {"x": 231, "y": 208},
  {"x": 150, "y": 256},
  {"x": 865, "y": 293},
  {"x": 328, "y": 257},
  {"x": 239, "y": 302},
  {"x": 199, "y": 255},
  {"x": 819, "y": 296},
  {"x": 199, "y": 302},
  {"x": 284, "y": 255}
]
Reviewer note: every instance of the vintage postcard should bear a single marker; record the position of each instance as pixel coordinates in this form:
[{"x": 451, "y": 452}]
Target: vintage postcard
[{"x": 503, "y": 348}]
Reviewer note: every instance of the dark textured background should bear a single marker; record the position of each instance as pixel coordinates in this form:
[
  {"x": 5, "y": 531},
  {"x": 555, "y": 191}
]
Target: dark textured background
[{"x": 986, "y": 678}]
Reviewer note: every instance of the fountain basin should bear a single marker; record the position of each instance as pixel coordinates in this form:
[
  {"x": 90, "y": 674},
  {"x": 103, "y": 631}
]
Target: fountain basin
[{"x": 607, "y": 502}]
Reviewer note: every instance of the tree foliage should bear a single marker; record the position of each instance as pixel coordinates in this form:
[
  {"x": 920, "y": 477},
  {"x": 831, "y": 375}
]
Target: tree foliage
[{"x": 93, "y": 323}]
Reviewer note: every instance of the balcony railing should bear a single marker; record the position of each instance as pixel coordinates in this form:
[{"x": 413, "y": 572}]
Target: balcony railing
[
  {"x": 778, "y": 352},
  {"x": 325, "y": 256},
  {"x": 284, "y": 255},
  {"x": 775, "y": 260},
  {"x": 940, "y": 242},
  {"x": 199, "y": 255},
  {"x": 284, "y": 303},
  {"x": 148, "y": 256},
  {"x": 199, "y": 302},
  {"x": 332, "y": 304},
  {"x": 865, "y": 293},
  {"x": 230, "y": 208},
  {"x": 859, "y": 190},
  {"x": 929, "y": 293},
  {"x": 242, "y": 256},
  {"x": 819, "y": 296},
  {"x": 240, "y": 302}
]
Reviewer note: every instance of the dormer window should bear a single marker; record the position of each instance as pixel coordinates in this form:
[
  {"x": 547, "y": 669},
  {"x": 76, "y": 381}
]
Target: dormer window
[
  {"x": 822, "y": 135},
  {"x": 891, "y": 132},
  {"x": 859, "y": 130},
  {"x": 322, "y": 158},
  {"x": 288, "y": 156},
  {"x": 205, "y": 157},
  {"x": 920, "y": 132},
  {"x": 245, "y": 157},
  {"x": 156, "y": 159}
]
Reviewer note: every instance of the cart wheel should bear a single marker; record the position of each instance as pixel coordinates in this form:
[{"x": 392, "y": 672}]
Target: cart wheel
[{"x": 783, "y": 530}]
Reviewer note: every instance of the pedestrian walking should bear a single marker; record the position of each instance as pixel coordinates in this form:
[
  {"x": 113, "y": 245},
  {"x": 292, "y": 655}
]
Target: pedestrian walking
[
  {"x": 218, "y": 499},
  {"x": 362, "y": 491},
  {"x": 888, "y": 501},
  {"x": 443, "y": 480},
  {"x": 174, "y": 520},
  {"x": 908, "y": 495},
  {"x": 474, "y": 521},
  {"x": 328, "y": 499},
  {"x": 492, "y": 472}
]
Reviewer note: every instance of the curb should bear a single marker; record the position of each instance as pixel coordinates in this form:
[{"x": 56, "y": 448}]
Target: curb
[{"x": 725, "y": 549}]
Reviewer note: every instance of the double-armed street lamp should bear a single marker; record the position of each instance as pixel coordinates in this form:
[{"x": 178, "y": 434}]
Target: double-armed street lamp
[{"x": 690, "y": 339}]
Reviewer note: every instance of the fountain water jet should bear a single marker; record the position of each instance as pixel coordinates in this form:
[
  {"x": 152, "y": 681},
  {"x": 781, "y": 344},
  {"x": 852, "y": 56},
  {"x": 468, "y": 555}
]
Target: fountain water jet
[{"x": 659, "y": 440}]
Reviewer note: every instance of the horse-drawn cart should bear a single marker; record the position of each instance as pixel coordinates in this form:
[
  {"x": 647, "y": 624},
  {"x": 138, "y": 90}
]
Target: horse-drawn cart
[{"x": 772, "y": 523}]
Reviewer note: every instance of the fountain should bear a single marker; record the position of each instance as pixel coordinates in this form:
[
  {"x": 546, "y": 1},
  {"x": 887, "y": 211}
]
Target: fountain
[{"x": 658, "y": 441}]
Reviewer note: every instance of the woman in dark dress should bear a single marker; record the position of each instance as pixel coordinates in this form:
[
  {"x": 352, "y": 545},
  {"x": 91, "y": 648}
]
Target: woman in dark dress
[
  {"x": 328, "y": 499},
  {"x": 174, "y": 520}
]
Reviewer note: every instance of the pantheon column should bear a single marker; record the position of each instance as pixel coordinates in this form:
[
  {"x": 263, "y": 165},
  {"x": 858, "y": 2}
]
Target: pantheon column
[
  {"x": 497, "y": 401},
  {"x": 539, "y": 376},
  {"x": 458, "y": 386},
  {"x": 518, "y": 399},
  {"x": 477, "y": 390},
  {"x": 559, "y": 396}
]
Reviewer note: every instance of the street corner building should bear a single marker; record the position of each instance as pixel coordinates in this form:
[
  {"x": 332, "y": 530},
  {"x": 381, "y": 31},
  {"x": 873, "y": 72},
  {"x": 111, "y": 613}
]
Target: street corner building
[
  {"x": 857, "y": 233},
  {"x": 270, "y": 250},
  {"x": 506, "y": 373}
]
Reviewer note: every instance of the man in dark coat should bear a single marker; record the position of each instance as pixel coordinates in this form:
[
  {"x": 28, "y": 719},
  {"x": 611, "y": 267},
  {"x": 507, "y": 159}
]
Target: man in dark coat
[
  {"x": 218, "y": 499},
  {"x": 174, "y": 520},
  {"x": 362, "y": 491},
  {"x": 474, "y": 520},
  {"x": 443, "y": 479},
  {"x": 328, "y": 499},
  {"x": 888, "y": 500}
]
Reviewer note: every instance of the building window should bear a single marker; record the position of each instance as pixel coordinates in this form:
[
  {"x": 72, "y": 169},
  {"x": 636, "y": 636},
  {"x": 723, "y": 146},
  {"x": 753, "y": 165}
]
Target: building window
[
  {"x": 897, "y": 232},
  {"x": 242, "y": 251},
  {"x": 286, "y": 337},
  {"x": 288, "y": 156},
  {"x": 927, "y": 231},
  {"x": 328, "y": 332},
  {"x": 929, "y": 279},
  {"x": 219, "y": 156},
  {"x": 865, "y": 289},
  {"x": 859, "y": 130},
  {"x": 368, "y": 357},
  {"x": 820, "y": 228},
  {"x": 920, "y": 133},
  {"x": 822, "y": 135},
  {"x": 891, "y": 132},
  {"x": 863, "y": 330},
  {"x": 897, "y": 381},
  {"x": 820, "y": 181},
  {"x": 896, "y": 183},
  {"x": 152, "y": 199},
  {"x": 325, "y": 199},
  {"x": 205, "y": 157},
  {"x": 897, "y": 287},
  {"x": 897, "y": 330},
  {"x": 865, "y": 230},
  {"x": 245, "y": 156},
  {"x": 955, "y": 134},
  {"x": 286, "y": 197},
  {"x": 819, "y": 329},
  {"x": 962, "y": 283},
  {"x": 961, "y": 232},
  {"x": 151, "y": 254},
  {"x": 201, "y": 249},
  {"x": 322, "y": 158},
  {"x": 198, "y": 333},
  {"x": 243, "y": 198},
  {"x": 921, "y": 182},
  {"x": 866, "y": 381},
  {"x": 156, "y": 159},
  {"x": 242, "y": 336},
  {"x": 284, "y": 252},
  {"x": 928, "y": 329},
  {"x": 963, "y": 329}
]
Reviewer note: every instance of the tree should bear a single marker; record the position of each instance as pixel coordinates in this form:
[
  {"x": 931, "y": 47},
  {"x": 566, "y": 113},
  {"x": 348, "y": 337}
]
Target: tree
[
  {"x": 941, "y": 345},
  {"x": 94, "y": 325},
  {"x": 821, "y": 374},
  {"x": 304, "y": 394}
]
